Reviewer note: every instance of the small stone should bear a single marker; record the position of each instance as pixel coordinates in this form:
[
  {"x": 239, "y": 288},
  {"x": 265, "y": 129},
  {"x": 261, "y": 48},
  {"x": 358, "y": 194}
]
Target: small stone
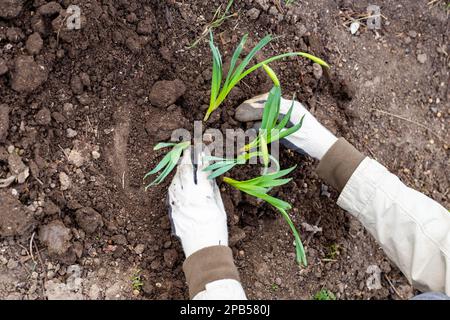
[
  {"x": 324, "y": 191},
  {"x": 317, "y": 71},
  {"x": 70, "y": 133},
  {"x": 253, "y": 13},
  {"x": 139, "y": 249},
  {"x": 76, "y": 158},
  {"x": 34, "y": 43},
  {"x": 412, "y": 33},
  {"x": 56, "y": 236},
  {"x": 65, "y": 181},
  {"x": 95, "y": 155},
  {"x": 88, "y": 219},
  {"x": 43, "y": 117},
  {"x": 165, "y": 93},
  {"x": 422, "y": 58}
]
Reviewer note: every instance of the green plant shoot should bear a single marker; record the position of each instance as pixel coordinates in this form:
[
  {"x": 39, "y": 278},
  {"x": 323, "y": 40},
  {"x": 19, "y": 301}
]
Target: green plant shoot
[
  {"x": 168, "y": 163},
  {"x": 223, "y": 165},
  {"x": 259, "y": 188},
  {"x": 272, "y": 130},
  {"x": 219, "y": 90}
]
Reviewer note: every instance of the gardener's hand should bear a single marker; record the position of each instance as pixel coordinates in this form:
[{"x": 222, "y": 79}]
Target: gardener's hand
[
  {"x": 312, "y": 139},
  {"x": 196, "y": 208}
]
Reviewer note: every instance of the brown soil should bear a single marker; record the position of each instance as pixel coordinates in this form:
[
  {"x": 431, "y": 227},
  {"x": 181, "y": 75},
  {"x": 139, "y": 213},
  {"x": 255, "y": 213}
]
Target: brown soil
[{"x": 78, "y": 109}]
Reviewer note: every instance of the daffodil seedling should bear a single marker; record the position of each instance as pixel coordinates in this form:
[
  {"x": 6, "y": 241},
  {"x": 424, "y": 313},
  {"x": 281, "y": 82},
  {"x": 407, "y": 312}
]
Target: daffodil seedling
[
  {"x": 168, "y": 163},
  {"x": 223, "y": 165},
  {"x": 219, "y": 90},
  {"x": 272, "y": 130},
  {"x": 259, "y": 188}
]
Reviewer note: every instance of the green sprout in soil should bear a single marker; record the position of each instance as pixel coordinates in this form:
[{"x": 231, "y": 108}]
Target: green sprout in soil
[
  {"x": 218, "y": 19},
  {"x": 259, "y": 187},
  {"x": 136, "y": 281},
  {"x": 169, "y": 162},
  {"x": 324, "y": 294},
  {"x": 219, "y": 90},
  {"x": 271, "y": 130},
  {"x": 333, "y": 251}
]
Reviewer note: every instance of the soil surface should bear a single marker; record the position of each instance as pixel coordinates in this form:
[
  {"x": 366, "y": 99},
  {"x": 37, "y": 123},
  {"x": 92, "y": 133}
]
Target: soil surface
[{"x": 80, "y": 111}]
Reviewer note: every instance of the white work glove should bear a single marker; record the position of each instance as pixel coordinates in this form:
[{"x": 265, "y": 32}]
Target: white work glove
[
  {"x": 312, "y": 138},
  {"x": 196, "y": 208}
]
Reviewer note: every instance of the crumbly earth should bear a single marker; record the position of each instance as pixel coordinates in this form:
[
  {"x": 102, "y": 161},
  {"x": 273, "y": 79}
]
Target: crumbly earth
[{"x": 80, "y": 113}]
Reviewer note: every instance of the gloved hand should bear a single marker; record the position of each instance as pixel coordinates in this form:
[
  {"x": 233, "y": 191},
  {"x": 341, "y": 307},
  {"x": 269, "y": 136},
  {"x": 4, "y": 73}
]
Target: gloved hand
[
  {"x": 196, "y": 207},
  {"x": 312, "y": 138}
]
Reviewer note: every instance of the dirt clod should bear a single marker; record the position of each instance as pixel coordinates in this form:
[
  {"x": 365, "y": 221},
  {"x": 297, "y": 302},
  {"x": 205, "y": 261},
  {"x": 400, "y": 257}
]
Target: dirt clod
[
  {"x": 10, "y": 8},
  {"x": 49, "y": 9},
  {"x": 15, "y": 218},
  {"x": 88, "y": 219},
  {"x": 28, "y": 75},
  {"x": 145, "y": 27},
  {"x": 161, "y": 125},
  {"x": 56, "y": 236},
  {"x": 170, "y": 257},
  {"x": 164, "y": 93},
  {"x": 34, "y": 43},
  {"x": 43, "y": 117}
]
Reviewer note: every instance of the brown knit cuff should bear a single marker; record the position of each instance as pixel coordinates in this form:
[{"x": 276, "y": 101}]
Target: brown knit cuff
[
  {"x": 339, "y": 163},
  {"x": 208, "y": 265}
]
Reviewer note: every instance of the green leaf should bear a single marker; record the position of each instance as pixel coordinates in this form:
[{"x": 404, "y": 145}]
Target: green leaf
[
  {"x": 221, "y": 171},
  {"x": 236, "y": 74},
  {"x": 163, "y": 145},
  {"x": 217, "y": 165},
  {"x": 234, "y": 59},
  {"x": 272, "y": 75},
  {"x": 259, "y": 187},
  {"x": 168, "y": 163}
]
